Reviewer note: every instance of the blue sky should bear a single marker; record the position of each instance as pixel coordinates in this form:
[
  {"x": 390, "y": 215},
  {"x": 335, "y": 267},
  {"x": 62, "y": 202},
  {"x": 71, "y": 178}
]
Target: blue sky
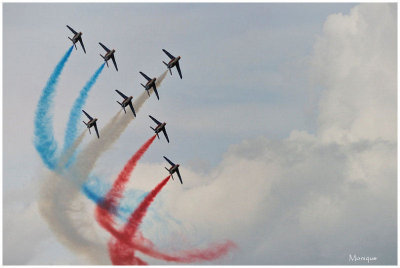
[{"x": 251, "y": 109}]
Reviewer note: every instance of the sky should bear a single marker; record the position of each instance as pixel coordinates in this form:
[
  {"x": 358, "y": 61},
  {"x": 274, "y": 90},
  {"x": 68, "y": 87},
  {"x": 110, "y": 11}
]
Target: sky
[{"x": 285, "y": 117}]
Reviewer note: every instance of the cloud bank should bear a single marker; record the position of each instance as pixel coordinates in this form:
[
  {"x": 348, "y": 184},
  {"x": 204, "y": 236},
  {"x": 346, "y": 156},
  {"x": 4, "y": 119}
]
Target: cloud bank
[{"x": 314, "y": 198}]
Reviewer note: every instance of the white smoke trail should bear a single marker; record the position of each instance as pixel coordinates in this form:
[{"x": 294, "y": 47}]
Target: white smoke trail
[
  {"x": 69, "y": 153},
  {"x": 56, "y": 207},
  {"x": 87, "y": 158},
  {"x": 60, "y": 191}
]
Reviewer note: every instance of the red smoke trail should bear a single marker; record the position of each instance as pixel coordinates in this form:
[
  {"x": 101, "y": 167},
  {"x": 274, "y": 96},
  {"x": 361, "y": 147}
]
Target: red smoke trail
[
  {"x": 125, "y": 242},
  {"x": 122, "y": 253},
  {"x": 120, "y": 249},
  {"x": 137, "y": 216},
  {"x": 107, "y": 207}
]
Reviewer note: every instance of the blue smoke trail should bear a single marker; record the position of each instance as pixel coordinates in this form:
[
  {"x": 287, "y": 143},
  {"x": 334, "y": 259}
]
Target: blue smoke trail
[
  {"x": 75, "y": 113},
  {"x": 44, "y": 140},
  {"x": 96, "y": 190}
]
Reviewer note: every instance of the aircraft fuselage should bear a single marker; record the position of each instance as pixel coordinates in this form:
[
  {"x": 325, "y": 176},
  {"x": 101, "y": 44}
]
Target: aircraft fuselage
[
  {"x": 127, "y": 101},
  {"x": 160, "y": 127},
  {"x": 173, "y": 62},
  {"x": 76, "y": 37},
  {"x": 151, "y": 83},
  {"x": 109, "y": 54},
  {"x": 91, "y": 122},
  {"x": 173, "y": 169}
]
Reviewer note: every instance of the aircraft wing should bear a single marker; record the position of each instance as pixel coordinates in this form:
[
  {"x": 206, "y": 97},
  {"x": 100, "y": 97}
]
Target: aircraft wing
[
  {"x": 179, "y": 175},
  {"x": 83, "y": 47},
  {"x": 97, "y": 132},
  {"x": 155, "y": 91},
  {"x": 90, "y": 118},
  {"x": 72, "y": 30},
  {"x": 133, "y": 110},
  {"x": 165, "y": 134},
  {"x": 145, "y": 76},
  {"x": 115, "y": 64},
  {"x": 105, "y": 48},
  {"x": 169, "y": 161},
  {"x": 179, "y": 69},
  {"x": 121, "y": 94},
  {"x": 168, "y": 54},
  {"x": 155, "y": 120}
]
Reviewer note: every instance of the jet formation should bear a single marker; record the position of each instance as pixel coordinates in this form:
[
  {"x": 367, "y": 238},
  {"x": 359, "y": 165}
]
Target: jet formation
[{"x": 151, "y": 84}]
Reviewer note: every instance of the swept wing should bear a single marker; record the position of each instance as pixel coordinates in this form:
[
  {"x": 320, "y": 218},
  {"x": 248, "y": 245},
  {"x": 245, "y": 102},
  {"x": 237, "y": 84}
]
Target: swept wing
[{"x": 90, "y": 118}]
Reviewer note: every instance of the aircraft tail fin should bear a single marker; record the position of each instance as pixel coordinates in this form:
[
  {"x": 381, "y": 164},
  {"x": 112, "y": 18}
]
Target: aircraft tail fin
[
  {"x": 168, "y": 67},
  {"x": 169, "y": 172},
  {"x": 155, "y": 131},
  {"x": 119, "y": 103},
  {"x": 87, "y": 126},
  {"x": 143, "y": 85},
  {"x": 104, "y": 59}
]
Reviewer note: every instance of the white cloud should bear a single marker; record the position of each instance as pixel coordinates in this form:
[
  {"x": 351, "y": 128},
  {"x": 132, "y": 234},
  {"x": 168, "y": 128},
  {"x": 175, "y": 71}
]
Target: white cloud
[{"x": 356, "y": 60}]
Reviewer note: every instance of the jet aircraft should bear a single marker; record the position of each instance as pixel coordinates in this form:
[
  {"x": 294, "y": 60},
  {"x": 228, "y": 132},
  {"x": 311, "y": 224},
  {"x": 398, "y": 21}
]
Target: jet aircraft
[
  {"x": 160, "y": 127},
  {"x": 173, "y": 169},
  {"x": 77, "y": 37},
  {"x": 91, "y": 123},
  {"x": 109, "y": 55},
  {"x": 127, "y": 101},
  {"x": 173, "y": 62},
  {"x": 151, "y": 83}
]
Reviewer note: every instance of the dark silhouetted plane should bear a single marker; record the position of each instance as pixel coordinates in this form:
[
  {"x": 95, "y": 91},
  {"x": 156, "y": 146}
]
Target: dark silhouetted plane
[
  {"x": 109, "y": 55},
  {"x": 160, "y": 127},
  {"x": 91, "y": 123},
  {"x": 173, "y": 169},
  {"x": 173, "y": 62},
  {"x": 151, "y": 83},
  {"x": 127, "y": 101},
  {"x": 77, "y": 37}
]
